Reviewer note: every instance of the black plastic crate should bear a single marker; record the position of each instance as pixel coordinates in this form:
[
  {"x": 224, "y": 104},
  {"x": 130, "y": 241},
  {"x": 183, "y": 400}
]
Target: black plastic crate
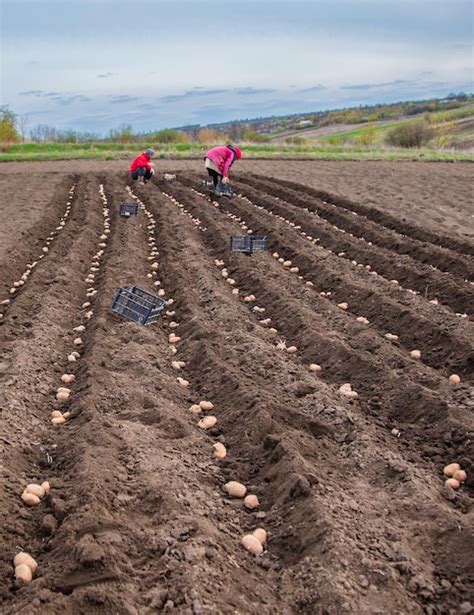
[
  {"x": 248, "y": 243},
  {"x": 128, "y": 209},
  {"x": 138, "y": 305}
]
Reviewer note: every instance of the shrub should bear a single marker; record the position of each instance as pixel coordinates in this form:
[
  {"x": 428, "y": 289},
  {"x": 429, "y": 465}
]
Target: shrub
[
  {"x": 296, "y": 141},
  {"x": 367, "y": 135},
  {"x": 8, "y": 131},
  {"x": 171, "y": 136},
  {"x": 410, "y": 134}
]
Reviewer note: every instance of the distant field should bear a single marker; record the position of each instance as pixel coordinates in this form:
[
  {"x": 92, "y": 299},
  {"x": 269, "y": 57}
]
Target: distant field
[{"x": 334, "y": 149}]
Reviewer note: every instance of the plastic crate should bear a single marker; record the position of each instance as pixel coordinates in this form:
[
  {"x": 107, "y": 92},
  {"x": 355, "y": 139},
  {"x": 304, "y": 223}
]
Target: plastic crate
[
  {"x": 248, "y": 243},
  {"x": 138, "y": 305},
  {"x": 224, "y": 190},
  {"x": 128, "y": 209}
]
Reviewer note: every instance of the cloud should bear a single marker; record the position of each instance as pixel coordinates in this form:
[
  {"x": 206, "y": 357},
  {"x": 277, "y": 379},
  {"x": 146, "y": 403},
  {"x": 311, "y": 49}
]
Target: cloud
[
  {"x": 123, "y": 98},
  {"x": 315, "y": 88},
  {"x": 368, "y": 86},
  {"x": 105, "y": 75},
  {"x": 250, "y": 91},
  {"x": 31, "y": 93},
  {"x": 70, "y": 99},
  {"x": 190, "y": 94}
]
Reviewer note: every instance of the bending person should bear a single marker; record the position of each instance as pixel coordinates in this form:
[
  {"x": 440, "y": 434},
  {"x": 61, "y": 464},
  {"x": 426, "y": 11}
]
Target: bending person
[{"x": 218, "y": 161}]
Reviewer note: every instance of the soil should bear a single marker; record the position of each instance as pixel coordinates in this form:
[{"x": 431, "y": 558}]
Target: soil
[{"x": 351, "y": 491}]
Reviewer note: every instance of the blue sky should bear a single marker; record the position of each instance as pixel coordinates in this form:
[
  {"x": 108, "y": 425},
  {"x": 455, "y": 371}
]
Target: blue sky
[{"x": 96, "y": 64}]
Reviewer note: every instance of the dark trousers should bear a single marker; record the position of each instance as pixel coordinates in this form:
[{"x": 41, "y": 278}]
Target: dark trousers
[
  {"x": 216, "y": 177},
  {"x": 142, "y": 172}
]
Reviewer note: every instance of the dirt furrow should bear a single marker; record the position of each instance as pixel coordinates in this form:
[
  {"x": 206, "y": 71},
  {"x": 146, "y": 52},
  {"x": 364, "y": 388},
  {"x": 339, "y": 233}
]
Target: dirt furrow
[
  {"x": 429, "y": 282},
  {"x": 25, "y": 256},
  {"x": 385, "y": 219},
  {"x": 34, "y": 342},
  {"x": 291, "y": 414},
  {"x": 445, "y": 344}
]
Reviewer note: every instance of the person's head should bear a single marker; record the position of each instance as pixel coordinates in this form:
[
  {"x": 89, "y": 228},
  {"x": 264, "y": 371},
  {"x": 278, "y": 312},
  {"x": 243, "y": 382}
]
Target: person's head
[
  {"x": 236, "y": 150},
  {"x": 149, "y": 152}
]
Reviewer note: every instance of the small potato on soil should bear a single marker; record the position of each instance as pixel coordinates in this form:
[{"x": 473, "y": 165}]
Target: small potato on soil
[
  {"x": 252, "y": 544},
  {"x": 68, "y": 378},
  {"x": 220, "y": 451},
  {"x": 451, "y": 468},
  {"x": 30, "y": 499},
  {"x": 460, "y": 475},
  {"x": 25, "y": 559},
  {"x": 314, "y": 367},
  {"x": 208, "y": 422},
  {"x": 35, "y": 490},
  {"x": 454, "y": 379},
  {"x": 195, "y": 409},
  {"x": 23, "y": 573},
  {"x": 251, "y": 502},
  {"x": 206, "y": 405},
  {"x": 235, "y": 489},
  {"x": 415, "y": 354},
  {"x": 261, "y": 535},
  {"x": 453, "y": 483}
]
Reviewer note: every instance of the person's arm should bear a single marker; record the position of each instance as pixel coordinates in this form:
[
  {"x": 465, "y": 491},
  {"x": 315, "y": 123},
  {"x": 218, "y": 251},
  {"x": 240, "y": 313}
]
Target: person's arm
[{"x": 225, "y": 169}]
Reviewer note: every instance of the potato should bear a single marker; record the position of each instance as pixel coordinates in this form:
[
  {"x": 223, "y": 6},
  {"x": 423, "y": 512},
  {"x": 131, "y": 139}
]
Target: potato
[
  {"x": 173, "y": 339},
  {"x": 460, "y": 475},
  {"x": 453, "y": 483},
  {"x": 219, "y": 450},
  {"x": 362, "y": 320},
  {"x": 287, "y": 263},
  {"x": 235, "y": 489},
  {"x": 59, "y": 420},
  {"x": 155, "y": 266},
  {"x": 309, "y": 283},
  {"x": 63, "y": 394},
  {"x": 24, "y": 559},
  {"x": 454, "y": 379},
  {"x": 314, "y": 367},
  {"x": 78, "y": 341},
  {"x": 251, "y": 502},
  {"x": 291, "y": 349},
  {"x": 173, "y": 325},
  {"x": 252, "y": 544},
  {"x": 451, "y": 468},
  {"x": 71, "y": 358},
  {"x": 46, "y": 486},
  {"x": 23, "y": 573},
  {"x": 391, "y": 337},
  {"x": 30, "y": 498},
  {"x": 55, "y": 414},
  {"x": 68, "y": 378},
  {"x": 182, "y": 382},
  {"x": 415, "y": 354},
  {"x": 347, "y": 391},
  {"x": 342, "y": 306},
  {"x": 206, "y": 405},
  {"x": 35, "y": 490},
  {"x": 208, "y": 422},
  {"x": 176, "y": 365},
  {"x": 294, "y": 269},
  {"x": 195, "y": 409},
  {"x": 79, "y": 329},
  {"x": 261, "y": 535}
]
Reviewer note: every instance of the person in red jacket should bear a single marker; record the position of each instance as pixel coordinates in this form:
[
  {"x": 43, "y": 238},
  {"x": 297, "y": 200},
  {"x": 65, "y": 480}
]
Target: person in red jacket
[
  {"x": 142, "y": 167},
  {"x": 218, "y": 161}
]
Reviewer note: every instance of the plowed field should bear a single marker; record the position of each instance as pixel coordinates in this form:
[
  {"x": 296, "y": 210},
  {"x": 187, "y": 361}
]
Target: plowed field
[{"x": 351, "y": 489}]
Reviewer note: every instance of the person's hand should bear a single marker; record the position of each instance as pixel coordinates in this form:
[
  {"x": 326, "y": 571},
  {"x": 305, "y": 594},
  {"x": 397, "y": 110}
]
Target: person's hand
[
  {"x": 225, "y": 180},
  {"x": 152, "y": 171}
]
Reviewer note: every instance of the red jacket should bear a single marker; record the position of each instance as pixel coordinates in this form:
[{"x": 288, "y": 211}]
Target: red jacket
[
  {"x": 141, "y": 161},
  {"x": 223, "y": 157}
]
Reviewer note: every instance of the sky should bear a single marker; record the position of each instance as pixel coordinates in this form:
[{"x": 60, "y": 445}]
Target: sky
[{"x": 93, "y": 65}]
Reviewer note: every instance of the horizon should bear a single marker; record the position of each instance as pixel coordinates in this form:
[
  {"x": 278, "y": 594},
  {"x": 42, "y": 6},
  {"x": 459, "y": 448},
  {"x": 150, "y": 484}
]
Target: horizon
[{"x": 96, "y": 65}]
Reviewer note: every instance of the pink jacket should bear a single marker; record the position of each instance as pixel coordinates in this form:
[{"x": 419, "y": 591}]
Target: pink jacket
[{"x": 223, "y": 157}]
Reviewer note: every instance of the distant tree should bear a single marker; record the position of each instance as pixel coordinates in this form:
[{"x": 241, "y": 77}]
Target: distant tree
[
  {"x": 22, "y": 122},
  {"x": 171, "y": 136},
  {"x": 122, "y": 134},
  {"x": 43, "y": 133},
  {"x": 252, "y": 136},
  {"x": 8, "y": 130},
  {"x": 211, "y": 136}
]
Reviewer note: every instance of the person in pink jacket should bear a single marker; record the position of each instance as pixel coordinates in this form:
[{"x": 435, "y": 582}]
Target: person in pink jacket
[{"x": 218, "y": 161}]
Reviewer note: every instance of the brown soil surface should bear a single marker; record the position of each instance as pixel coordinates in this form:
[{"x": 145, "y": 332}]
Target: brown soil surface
[{"x": 351, "y": 491}]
